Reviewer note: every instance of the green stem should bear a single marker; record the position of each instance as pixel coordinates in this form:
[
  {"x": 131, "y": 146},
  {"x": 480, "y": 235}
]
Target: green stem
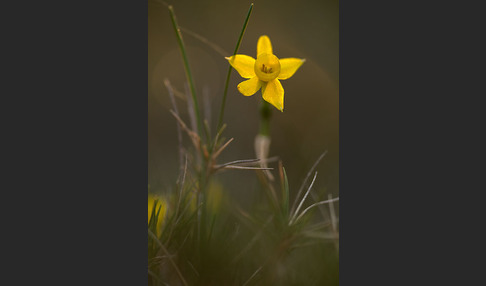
[
  {"x": 265, "y": 116},
  {"x": 188, "y": 71},
  {"x": 221, "y": 111}
]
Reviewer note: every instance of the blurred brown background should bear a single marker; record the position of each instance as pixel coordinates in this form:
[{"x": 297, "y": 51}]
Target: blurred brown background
[{"x": 309, "y": 124}]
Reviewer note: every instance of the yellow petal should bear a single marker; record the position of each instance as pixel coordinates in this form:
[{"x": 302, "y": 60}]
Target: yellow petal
[
  {"x": 250, "y": 87},
  {"x": 264, "y": 45},
  {"x": 289, "y": 66},
  {"x": 245, "y": 65},
  {"x": 274, "y": 94}
]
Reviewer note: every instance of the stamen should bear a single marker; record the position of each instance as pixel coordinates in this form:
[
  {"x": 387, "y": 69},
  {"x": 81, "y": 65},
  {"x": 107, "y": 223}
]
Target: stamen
[{"x": 266, "y": 69}]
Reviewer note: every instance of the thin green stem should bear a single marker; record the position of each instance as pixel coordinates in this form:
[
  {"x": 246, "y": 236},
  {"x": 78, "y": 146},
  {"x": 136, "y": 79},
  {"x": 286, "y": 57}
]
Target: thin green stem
[
  {"x": 265, "y": 115},
  {"x": 221, "y": 111},
  {"x": 188, "y": 71}
]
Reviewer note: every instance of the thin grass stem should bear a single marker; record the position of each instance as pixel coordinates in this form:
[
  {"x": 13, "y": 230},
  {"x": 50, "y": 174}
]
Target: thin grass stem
[
  {"x": 334, "y": 224},
  {"x": 238, "y": 162},
  {"x": 303, "y": 199},
  {"x": 321, "y": 208},
  {"x": 316, "y": 204},
  {"x": 251, "y": 277},
  {"x": 216, "y": 138},
  {"x": 223, "y": 103},
  {"x": 269, "y": 160},
  {"x": 333, "y": 216},
  {"x": 216, "y": 154},
  {"x": 154, "y": 237},
  {"x": 215, "y": 47},
  {"x": 246, "y": 168},
  {"x": 256, "y": 237},
  {"x": 179, "y": 131},
  {"x": 306, "y": 179},
  {"x": 187, "y": 70}
]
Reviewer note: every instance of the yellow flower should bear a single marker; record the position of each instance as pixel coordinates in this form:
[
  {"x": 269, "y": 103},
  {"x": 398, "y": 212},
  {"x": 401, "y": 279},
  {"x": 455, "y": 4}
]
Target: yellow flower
[
  {"x": 163, "y": 205},
  {"x": 265, "y": 72}
]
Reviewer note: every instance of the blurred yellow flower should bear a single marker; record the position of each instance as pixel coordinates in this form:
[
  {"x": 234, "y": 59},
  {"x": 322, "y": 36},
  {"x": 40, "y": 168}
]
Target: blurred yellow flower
[
  {"x": 162, "y": 204},
  {"x": 265, "y": 72}
]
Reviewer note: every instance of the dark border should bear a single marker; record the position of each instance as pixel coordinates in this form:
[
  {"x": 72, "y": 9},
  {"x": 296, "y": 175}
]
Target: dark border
[
  {"x": 409, "y": 134},
  {"x": 75, "y": 108}
]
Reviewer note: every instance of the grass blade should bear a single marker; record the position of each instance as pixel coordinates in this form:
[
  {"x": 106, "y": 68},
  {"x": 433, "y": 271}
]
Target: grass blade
[
  {"x": 154, "y": 237},
  {"x": 179, "y": 131},
  {"x": 187, "y": 69},
  {"x": 306, "y": 179},
  {"x": 314, "y": 205},
  {"x": 303, "y": 199},
  {"x": 221, "y": 111},
  {"x": 285, "y": 192}
]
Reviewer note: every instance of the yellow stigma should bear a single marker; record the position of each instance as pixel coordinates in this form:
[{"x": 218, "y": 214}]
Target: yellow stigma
[{"x": 267, "y": 67}]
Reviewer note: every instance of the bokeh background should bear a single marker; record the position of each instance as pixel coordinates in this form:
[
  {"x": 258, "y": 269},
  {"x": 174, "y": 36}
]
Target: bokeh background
[{"x": 309, "y": 124}]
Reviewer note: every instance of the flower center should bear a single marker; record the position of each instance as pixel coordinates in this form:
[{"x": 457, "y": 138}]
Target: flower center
[{"x": 267, "y": 67}]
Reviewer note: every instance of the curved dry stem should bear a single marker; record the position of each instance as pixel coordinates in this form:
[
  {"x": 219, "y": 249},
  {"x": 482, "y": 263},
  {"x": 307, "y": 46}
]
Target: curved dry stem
[
  {"x": 303, "y": 199},
  {"x": 306, "y": 179},
  {"x": 314, "y": 205}
]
